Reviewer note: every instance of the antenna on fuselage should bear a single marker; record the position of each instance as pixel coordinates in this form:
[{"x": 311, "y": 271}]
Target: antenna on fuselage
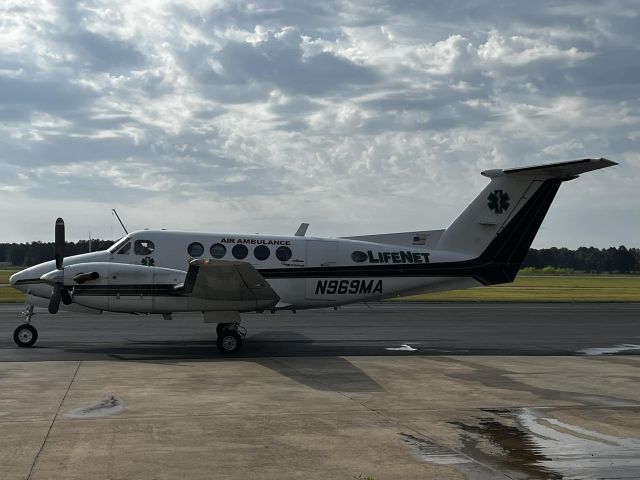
[
  {"x": 118, "y": 217},
  {"x": 302, "y": 230}
]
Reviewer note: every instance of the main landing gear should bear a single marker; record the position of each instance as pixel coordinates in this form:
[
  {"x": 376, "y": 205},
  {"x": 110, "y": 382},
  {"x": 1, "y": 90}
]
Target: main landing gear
[
  {"x": 230, "y": 337},
  {"x": 26, "y": 334}
]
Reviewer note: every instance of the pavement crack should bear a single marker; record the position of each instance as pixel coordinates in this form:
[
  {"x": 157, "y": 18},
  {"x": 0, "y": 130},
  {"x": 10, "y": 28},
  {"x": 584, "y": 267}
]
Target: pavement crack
[{"x": 53, "y": 421}]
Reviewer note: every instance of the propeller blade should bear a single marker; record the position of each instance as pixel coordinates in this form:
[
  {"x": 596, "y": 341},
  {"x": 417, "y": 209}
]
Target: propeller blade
[
  {"x": 59, "y": 235},
  {"x": 66, "y": 296},
  {"x": 54, "y": 301}
]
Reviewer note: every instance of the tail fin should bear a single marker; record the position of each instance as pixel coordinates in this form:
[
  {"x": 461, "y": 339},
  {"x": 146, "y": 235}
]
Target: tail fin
[{"x": 498, "y": 227}]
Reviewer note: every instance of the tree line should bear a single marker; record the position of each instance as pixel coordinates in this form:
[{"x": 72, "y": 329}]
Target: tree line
[
  {"x": 586, "y": 259},
  {"x": 32, "y": 253},
  {"x": 583, "y": 259}
]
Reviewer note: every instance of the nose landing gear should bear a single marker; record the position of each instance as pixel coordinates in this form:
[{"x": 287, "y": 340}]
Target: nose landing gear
[
  {"x": 26, "y": 334},
  {"x": 230, "y": 337}
]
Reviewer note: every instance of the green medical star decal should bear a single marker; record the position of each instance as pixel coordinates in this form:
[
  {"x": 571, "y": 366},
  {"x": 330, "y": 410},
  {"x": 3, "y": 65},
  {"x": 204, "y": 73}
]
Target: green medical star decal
[
  {"x": 148, "y": 261},
  {"x": 498, "y": 201}
]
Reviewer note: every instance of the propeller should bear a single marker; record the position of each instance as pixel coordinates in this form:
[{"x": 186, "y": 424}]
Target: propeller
[
  {"x": 59, "y": 243},
  {"x": 55, "y": 278},
  {"x": 59, "y": 292}
]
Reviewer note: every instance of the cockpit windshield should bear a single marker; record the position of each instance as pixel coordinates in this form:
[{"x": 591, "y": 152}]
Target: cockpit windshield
[{"x": 116, "y": 246}]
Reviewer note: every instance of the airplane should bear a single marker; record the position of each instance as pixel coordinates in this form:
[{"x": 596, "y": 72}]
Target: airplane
[{"x": 225, "y": 274}]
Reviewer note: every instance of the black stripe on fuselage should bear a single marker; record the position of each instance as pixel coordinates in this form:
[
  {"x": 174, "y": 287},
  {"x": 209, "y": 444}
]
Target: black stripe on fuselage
[{"x": 124, "y": 290}]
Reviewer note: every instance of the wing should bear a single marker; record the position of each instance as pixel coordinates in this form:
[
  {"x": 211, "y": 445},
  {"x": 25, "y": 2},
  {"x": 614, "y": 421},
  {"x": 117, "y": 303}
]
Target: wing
[{"x": 229, "y": 281}]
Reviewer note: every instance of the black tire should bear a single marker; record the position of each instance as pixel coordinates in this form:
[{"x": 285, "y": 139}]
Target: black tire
[
  {"x": 229, "y": 341},
  {"x": 25, "y": 335}
]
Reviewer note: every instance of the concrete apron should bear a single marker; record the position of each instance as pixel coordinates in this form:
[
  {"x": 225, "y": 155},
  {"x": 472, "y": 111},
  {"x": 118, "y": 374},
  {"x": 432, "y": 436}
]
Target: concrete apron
[{"x": 392, "y": 417}]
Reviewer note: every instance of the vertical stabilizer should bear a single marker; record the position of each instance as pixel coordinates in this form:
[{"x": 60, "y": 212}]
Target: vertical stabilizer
[{"x": 501, "y": 223}]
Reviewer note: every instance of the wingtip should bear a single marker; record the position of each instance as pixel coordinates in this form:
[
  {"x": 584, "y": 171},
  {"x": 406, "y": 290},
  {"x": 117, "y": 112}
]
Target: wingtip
[
  {"x": 607, "y": 162},
  {"x": 601, "y": 162}
]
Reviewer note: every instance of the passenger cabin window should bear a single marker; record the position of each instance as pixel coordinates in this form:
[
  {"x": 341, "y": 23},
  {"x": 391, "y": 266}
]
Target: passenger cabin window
[
  {"x": 240, "y": 251},
  {"x": 283, "y": 253},
  {"x": 218, "y": 250},
  {"x": 143, "y": 247},
  {"x": 261, "y": 252},
  {"x": 125, "y": 249},
  {"x": 195, "y": 249}
]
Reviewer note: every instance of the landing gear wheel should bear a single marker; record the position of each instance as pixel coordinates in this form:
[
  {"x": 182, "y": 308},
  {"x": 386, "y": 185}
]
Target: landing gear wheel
[
  {"x": 229, "y": 341},
  {"x": 25, "y": 335}
]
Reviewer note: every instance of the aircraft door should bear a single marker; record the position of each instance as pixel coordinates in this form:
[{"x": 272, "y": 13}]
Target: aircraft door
[{"x": 320, "y": 253}]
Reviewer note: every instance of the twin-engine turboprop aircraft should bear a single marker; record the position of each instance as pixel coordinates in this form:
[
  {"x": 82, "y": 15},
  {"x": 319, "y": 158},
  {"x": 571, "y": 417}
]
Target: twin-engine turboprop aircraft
[{"x": 221, "y": 275}]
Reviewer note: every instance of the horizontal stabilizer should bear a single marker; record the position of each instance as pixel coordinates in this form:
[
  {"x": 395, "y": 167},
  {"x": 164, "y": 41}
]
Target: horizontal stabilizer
[{"x": 561, "y": 170}]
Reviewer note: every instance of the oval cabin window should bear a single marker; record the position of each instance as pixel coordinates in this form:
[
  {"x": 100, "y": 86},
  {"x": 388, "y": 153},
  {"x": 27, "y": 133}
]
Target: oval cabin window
[
  {"x": 283, "y": 253},
  {"x": 261, "y": 252},
  {"x": 195, "y": 249},
  {"x": 240, "y": 251},
  {"x": 218, "y": 250}
]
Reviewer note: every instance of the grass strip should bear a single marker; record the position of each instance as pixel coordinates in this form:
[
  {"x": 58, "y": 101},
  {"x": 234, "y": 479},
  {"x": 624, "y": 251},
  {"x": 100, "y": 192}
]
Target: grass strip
[{"x": 543, "y": 288}]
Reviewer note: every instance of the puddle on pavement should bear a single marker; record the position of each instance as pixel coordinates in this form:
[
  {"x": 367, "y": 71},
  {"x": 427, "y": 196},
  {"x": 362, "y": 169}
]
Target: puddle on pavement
[
  {"x": 626, "y": 347},
  {"x": 425, "y": 450},
  {"x": 107, "y": 407},
  {"x": 528, "y": 444},
  {"x": 432, "y": 452}
]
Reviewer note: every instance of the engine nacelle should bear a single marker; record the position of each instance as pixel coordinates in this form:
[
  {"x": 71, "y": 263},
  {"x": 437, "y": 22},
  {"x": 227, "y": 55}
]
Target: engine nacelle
[{"x": 121, "y": 287}]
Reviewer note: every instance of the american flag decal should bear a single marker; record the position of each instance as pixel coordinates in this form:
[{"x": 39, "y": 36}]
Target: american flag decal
[{"x": 420, "y": 238}]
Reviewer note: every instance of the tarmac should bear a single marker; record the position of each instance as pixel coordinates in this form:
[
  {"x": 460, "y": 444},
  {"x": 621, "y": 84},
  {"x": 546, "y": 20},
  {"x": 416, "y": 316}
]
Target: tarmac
[{"x": 386, "y": 391}]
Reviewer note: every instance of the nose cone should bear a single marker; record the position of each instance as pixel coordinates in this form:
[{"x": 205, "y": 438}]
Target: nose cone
[
  {"x": 20, "y": 280},
  {"x": 13, "y": 279},
  {"x": 30, "y": 277}
]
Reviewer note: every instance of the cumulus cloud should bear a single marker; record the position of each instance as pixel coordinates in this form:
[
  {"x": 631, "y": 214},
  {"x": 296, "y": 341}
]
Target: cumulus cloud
[{"x": 227, "y": 115}]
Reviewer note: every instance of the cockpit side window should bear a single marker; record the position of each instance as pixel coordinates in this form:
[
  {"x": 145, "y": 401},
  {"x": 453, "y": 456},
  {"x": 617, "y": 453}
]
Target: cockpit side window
[
  {"x": 143, "y": 247},
  {"x": 125, "y": 249}
]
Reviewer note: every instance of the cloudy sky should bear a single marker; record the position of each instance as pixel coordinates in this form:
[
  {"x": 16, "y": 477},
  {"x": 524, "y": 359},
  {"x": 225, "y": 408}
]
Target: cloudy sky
[{"x": 358, "y": 117}]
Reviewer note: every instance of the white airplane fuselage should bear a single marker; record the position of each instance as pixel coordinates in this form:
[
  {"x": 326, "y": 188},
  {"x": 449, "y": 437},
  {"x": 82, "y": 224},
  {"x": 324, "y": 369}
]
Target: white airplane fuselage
[{"x": 305, "y": 272}]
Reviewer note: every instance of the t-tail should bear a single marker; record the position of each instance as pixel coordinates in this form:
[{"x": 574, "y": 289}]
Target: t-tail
[{"x": 496, "y": 230}]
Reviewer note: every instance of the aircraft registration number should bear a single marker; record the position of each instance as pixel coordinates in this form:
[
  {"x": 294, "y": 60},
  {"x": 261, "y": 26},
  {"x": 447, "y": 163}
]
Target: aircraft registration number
[{"x": 348, "y": 287}]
